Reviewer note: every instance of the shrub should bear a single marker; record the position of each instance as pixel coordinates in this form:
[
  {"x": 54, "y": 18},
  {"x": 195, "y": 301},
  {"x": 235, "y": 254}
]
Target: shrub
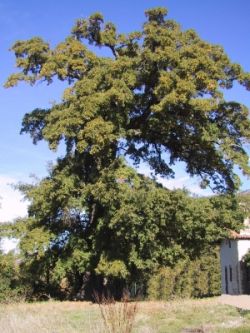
[
  {"x": 10, "y": 287},
  {"x": 188, "y": 278},
  {"x": 118, "y": 317}
]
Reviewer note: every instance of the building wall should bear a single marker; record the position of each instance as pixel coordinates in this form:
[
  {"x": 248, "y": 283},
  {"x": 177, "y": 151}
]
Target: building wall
[
  {"x": 231, "y": 253},
  {"x": 230, "y": 260}
]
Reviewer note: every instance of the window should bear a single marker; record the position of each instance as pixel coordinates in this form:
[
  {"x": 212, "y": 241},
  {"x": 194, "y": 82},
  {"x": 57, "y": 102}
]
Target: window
[
  {"x": 230, "y": 274},
  {"x": 226, "y": 280}
]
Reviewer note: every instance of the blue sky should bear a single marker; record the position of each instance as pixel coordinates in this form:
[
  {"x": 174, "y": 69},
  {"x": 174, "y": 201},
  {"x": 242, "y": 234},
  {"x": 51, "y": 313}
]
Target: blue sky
[{"x": 221, "y": 22}]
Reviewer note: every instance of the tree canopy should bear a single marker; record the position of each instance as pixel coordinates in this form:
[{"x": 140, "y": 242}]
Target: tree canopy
[{"x": 158, "y": 98}]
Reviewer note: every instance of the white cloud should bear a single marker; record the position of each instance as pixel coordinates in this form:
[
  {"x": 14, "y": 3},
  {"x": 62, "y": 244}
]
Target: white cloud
[
  {"x": 191, "y": 184},
  {"x": 11, "y": 200},
  {"x": 174, "y": 183},
  {"x": 8, "y": 244},
  {"x": 12, "y": 206},
  {"x": 182, "y": 180}
]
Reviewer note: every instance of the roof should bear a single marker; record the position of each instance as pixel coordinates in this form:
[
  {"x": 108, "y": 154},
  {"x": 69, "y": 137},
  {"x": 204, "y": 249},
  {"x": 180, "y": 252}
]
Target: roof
[{"x": 244, "y": 234}]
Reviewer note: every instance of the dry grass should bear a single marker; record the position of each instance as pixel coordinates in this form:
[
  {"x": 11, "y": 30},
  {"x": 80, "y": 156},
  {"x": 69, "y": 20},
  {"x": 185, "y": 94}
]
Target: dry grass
[
  {"x": 149, "y": 317},
  {"x": 50, "y": 317},
  {"x": 118, "y": 317}
]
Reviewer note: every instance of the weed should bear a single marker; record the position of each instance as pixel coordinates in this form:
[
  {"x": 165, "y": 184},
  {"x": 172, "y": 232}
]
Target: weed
[{"x": 118, "y": 317}]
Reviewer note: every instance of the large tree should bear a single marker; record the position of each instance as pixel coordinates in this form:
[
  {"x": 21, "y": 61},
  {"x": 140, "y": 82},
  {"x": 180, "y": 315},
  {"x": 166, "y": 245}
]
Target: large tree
[{"x": 158, "y": 98}]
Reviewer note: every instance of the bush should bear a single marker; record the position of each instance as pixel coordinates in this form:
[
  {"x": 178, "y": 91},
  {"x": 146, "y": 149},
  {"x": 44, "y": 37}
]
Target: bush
[
  {"x": 11, "y": 288},
  {"x": 117, "y": 317},
  {"x": 188, "y": 278}
]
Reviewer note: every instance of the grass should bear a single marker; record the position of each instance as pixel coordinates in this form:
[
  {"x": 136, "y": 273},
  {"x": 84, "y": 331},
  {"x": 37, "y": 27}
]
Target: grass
[
  {"x": 152, "y": 317},
  {"x": 117, "y": 317}
]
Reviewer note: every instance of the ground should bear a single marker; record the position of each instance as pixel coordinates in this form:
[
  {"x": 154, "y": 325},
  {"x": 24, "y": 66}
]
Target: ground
[
  {"x": 239, "y": 301},
  {"x": 208, "y": 315}
]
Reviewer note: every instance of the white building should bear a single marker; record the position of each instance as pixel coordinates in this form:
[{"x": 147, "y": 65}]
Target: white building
[{"x": 235, "y": 276}]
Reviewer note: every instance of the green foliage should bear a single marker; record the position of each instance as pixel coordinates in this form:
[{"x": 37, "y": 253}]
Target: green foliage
[
  {"x": 11, "y": 287},
  {"x": 157, "y": 99},
  {"x": 246, "y": 259},
  {"x": 140, "y": 227},
  {"x": 188, "y": 278},
  {"x": 244, "y": 199},
  {"x": 115, "y": 268}
]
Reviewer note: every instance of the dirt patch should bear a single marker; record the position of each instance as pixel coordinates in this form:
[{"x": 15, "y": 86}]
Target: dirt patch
[{"x": 239, "y": 301}]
